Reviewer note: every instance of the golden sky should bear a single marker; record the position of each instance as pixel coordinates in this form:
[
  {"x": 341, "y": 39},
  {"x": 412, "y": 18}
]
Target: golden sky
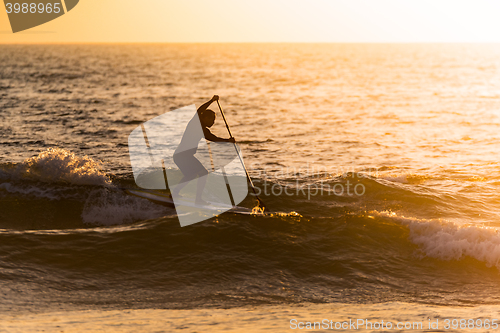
[{"x": 267, "y": 21}]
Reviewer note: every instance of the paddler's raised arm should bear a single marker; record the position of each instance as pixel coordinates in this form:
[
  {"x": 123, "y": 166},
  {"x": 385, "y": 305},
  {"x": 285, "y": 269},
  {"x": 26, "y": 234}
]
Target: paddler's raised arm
[{"x": 207, "y": 104}]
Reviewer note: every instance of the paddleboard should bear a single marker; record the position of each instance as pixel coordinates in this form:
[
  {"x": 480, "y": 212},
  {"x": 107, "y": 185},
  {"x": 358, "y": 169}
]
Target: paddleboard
[{"x": 166, "y": 200}]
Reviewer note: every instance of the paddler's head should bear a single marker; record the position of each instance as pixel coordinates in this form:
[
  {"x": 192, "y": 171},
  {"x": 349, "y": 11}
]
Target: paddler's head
[{"x": 207, "y": 118}]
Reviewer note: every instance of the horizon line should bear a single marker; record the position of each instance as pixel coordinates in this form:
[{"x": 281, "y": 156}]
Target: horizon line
[{"x": 135, "y": 42}]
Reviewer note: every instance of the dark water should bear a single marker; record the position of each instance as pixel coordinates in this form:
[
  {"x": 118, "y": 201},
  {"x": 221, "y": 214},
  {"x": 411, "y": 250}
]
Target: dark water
[{"x": 415, "y": 126}]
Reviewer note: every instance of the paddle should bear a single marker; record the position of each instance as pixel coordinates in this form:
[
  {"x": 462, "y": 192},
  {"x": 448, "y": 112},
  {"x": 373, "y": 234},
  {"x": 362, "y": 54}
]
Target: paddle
[{"x": 261, "y": 204}]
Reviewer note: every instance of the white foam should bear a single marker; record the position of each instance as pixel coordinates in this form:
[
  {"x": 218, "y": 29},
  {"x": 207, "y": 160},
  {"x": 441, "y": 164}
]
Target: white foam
[
  {"x": 395, "y": 178},
  {"x": 29, "y": 191},
  {"x": 105, "y": 207},
  {"x": 449, "y": 241},
  {"x": 403, "y": 178},
  {"x": 60, "y": 165}
]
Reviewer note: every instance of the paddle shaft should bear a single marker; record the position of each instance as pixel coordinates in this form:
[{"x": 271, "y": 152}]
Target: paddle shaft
[{"x": 241, "y": 159}]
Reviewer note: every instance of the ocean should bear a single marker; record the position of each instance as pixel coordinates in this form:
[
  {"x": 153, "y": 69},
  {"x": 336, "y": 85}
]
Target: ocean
[{"x": 378, "y": 164}]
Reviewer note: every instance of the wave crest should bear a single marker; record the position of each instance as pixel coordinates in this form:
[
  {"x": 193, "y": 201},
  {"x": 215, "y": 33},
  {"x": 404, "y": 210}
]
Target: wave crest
[
  {"x": 449, "y": 241},
  {"x": 60, "y": 165}
]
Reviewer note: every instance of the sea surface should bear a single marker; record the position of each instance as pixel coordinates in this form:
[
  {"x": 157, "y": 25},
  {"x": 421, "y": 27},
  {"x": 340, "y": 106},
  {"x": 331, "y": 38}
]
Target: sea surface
[{"x": 379, "y": 165}]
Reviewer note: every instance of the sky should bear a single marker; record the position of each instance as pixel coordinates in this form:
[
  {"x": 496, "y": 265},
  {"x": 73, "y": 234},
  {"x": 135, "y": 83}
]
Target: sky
[{"x": 379, "y": 21}]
